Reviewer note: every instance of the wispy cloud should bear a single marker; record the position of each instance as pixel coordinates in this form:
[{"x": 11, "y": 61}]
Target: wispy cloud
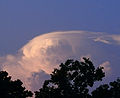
[
  {"x": 99, "y": 39},
  {"x": 108, "y": 39}
]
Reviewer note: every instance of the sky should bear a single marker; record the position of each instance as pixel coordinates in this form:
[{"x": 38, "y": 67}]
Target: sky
[
  {"x": 21, "y": 20},
  {"x": 91, "y": 26}
]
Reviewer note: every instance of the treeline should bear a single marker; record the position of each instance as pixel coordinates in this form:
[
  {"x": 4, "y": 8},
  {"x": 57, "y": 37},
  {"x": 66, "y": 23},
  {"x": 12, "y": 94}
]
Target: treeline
[{"x": 71, "y": 80}]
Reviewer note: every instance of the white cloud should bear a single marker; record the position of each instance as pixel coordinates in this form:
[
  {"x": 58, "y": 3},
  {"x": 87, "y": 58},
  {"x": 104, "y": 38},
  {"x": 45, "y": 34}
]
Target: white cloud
[
  {"x": 86, "y": 56},
  {"x": 99, "y": 39},
  {"x": 45, "y": 52},
  {"x": 106, "y": 66},
  {"x": 108, "y": 39},
  {"x": 116, "y": 38}
]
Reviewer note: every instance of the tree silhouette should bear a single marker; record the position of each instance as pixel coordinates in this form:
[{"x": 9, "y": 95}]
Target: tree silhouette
[
  {"x": 71, "y": 80},
  {"x": 12, "y": 89},
  {"x": 111, "y": 90}
]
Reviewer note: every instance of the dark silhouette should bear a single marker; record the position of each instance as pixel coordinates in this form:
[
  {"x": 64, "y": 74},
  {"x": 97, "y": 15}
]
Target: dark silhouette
[
  {"x": 71, "y": 80},
  {"x": 111, "y": 90},
  {"x": 12, "y": 89}
]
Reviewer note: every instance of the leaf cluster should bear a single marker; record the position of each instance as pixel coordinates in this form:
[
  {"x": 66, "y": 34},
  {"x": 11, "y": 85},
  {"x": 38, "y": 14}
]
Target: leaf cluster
[
  {"x": 12, "y": 89},
  {"x": 72, "y": 79}
]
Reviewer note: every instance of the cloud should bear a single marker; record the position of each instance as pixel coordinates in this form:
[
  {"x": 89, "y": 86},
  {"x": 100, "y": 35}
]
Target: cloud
[
  {"x": 106, "y": 66},
  {"x": 37, "y": 79},
  {"x": 101, "y": 40},
  {"x": 36, "y": 60},
  {"x": 116, "y": 38},
  {"x": 87, "y": 56},
  {"x": 108, "y": 39}
]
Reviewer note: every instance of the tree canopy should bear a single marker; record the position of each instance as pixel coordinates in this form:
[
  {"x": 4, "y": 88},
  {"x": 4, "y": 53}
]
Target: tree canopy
[
  {"x": 12, "y": 89},
  {"x": 72, "y": 79},
  {"x": 111, "y": 90}
]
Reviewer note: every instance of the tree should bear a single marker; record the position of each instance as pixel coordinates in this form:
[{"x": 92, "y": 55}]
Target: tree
[
  {"x": 12, "y": 89},
  {"x": 71, "y": 80},
  {"x": 111, "y": 90}
]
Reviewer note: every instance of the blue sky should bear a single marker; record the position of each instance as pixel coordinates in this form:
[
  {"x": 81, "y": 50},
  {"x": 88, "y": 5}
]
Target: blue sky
[{"x": 21, "y": 20}]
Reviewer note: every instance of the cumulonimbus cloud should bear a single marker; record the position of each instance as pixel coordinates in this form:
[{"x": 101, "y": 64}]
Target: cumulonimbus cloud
[{"x": 42, "y": 54}]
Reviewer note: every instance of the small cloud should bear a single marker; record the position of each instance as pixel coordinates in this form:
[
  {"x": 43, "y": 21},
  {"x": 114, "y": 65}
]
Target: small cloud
[
  {"x": 106, "y": 66},
  {"x": 86, "y": 56},
  {"x": 99, "y": 39},
  {"x": 108, "y": 39},
  {"x": 116, "y": 38}
]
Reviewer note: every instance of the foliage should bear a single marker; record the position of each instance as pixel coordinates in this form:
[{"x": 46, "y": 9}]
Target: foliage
[
  {"x": 111, "y": 90},
  {"x": 12, "y": 89},
  {"x": 72, "y": 79}
]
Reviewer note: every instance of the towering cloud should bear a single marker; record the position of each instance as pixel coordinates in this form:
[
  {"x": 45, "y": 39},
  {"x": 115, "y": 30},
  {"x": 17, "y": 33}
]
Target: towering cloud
[{"x": 42, "y": 54}]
